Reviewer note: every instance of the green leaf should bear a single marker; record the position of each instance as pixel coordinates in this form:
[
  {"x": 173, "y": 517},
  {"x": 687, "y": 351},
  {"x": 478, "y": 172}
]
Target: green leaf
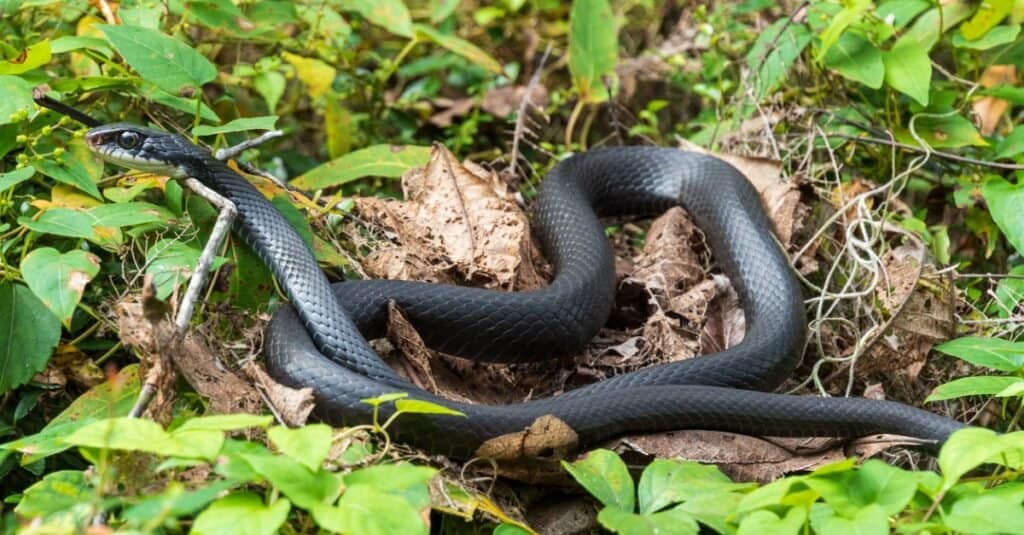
[
  {"x": 442, "y": 9},
  {"x": 402, "y": 479},
  {"x": 270, "y": 86},
  {"x": 17, "y": 99},
  {"x": 947, "y": 131},
  {"x": 308, "y": 444},
  {"x": 986, "y": 513},
  {"x": 857, "y": 59},
  {"x": 667, "y": 482},
  {"x": 70, "y": 43},
  {"x": 34, "y": 56},
  {"x": 175, "y": 502},
  {"x": 9, "y": 180},
  {"x": 774, "y": 52},
  {"x": 72, "y": 173},
  {"x": 875, "y": 483},
  {"x": 378, "y": 160},
  {"x": 909, "y": 70},
  {"x": 968, "y": 448},
  {"x": 59, "y": 279},
  {"x": 980, "y": 385},
  {"x": 1004, "y": 201},
  {"x": 243, "y": 124},
  {"x": 1010, "y": 146},
  {"x": 418, "y": 406},
  {"x": 851, "y": 12},
  {"x": 593, "y": 47},
  {"x": 716, "y": 511},
  {"x": 927, "y": 29},
  {"x": 869, "y": 520},
  {"x": 306, "y": 488},
  {"x": 606, "y": 477},
  {"x": 995, "y": 353},
  {"x": 674, "y": 521},
  {"x": 459, "y": 46},
  {"x": 57, "y": 492},
  {"x": 1000, "y": 35},
  {"x": 384, "y": 398},
  {"x": 1009, "y": 293},
  {"x": 761, "y": 522},
  {"x": 123, "y": 433},
  {"x": 28, "y": 334},
  {"x": 129, "y": 214},
  {"x": 242, "y": 513},
  {"x": 392, "y": 15},
  {"x": 66, "y": 222},
  {"x": 989, "y": 13},
  {"x": 165, "y": 61},
  {"x": 1016, "y": 389},
  {"x": 901, "y": 11},
  {"x": 370, "y": 512},
  {"x": 171, "y": 262}
]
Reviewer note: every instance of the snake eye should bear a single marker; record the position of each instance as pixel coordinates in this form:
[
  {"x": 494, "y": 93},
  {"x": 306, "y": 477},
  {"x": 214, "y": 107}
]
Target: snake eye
[{"x": 129, "y": 140}]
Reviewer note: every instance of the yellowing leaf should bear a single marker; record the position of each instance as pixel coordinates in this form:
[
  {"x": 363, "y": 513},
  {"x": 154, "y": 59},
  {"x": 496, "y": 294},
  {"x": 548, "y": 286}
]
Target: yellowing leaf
[
  {"x": 461, "y": 47},
  {"x": 989, "y": 13},
  {"x": 34, "y": 56},
  {"x": 58, "y": 279},
  {"x": 316, "y": 74}
]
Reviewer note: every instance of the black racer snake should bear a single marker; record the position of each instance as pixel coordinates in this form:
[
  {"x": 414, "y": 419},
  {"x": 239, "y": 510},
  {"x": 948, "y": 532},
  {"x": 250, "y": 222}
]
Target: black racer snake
[{"x": 320, "y": 340}]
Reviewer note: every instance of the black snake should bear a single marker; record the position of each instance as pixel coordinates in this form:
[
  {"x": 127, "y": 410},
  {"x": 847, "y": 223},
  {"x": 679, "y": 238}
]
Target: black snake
[{"x": 320, "y": 341}]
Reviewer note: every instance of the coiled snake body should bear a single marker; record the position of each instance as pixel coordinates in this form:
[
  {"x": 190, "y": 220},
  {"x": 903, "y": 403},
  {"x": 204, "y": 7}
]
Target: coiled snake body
[{"x": 320, "y": 340}]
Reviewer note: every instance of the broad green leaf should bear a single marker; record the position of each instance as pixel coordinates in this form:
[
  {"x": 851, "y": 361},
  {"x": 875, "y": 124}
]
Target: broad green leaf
[
  {"x": 221, "y": 15},
  {"x": 418, "y": 406},
  {"x": 370, "y": 512},
  {"x": 378, "y": 160},
  {"x": 857, "y": 59},
  {"x": 108, "y": 399},
  {"x": 225, "y": 422},
  {"x": 308, "y": 444},
  {"x": 442, "y": 9},
  {"x": 763, "y": 521},
  {"x": 175, "y": 502},
  {"x": 459, "y": 46},
  {"x": 70, "y": 43},
  {"x": 869, "y": 520},
  {"x": 238, "y": 125},
  {"x": 1000, "y": 35},
  {"x": 57, "y": 492},
  {"x": 241, "y": 513},
  {"x": 668, "y": 481},
  {"x": 1012, "y": 145},
  {"x": 195, "y": 444},
  {"x": 967, "y": 449},
  {"x": 908, "y": 69},
  {"x": 593, "y": 47},
  {"x": 901, "y": 12},
  {"x": 270, "y": 86},
  {"x": 606, "y": 477},
  {"x": 315, "y": 74},
  {"x": 674, "y": 521},
  {"x": 875, "y": 483},
  {"x": 72, "y": 173},
  {"x": 1004, "y": 201},
  {"x": 68, "y": 223},
  {"x": 384, "y": 398},
  {"x": 34, "y": 56},
  {"x": 306, "y": 488},
  {"x": 1011, "y": 93},
  {"x": 986, "y": 513},
  {"x": 980, "y": 385},
  {"x": 165, "y": 61},
  {"x": 774, "y": 52},
  {"x": 17, "y": 99},
  {"x": 29, "y": 332},
  {"x": 392, "y": 15},
  {"x": 948, "y": 131},
  {"x": 989, "y": 13},
  {"x": 9, "y": 180},
  {"x": 1016, "y": 389},
  {"x": 995, "y": 353},
  {"x": 401, "y": 479},
  {"x": 171, "y": 262},
  {"x": 771, "y": 494},
  {"x": 927, "y": 29},
  {"x": 123, "y": 433},
  {"x": 339, "y": 128},
  {"x": 59, "y": 279},
  {"x": 150, "y": 91},
  {"x": 852, "y": 12},
  {"x": 1009, "y": 293},
  {"x": 714, "y": 510}
]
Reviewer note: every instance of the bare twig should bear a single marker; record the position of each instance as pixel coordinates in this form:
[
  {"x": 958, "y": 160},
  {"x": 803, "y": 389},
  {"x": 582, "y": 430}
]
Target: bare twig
[
  {"x": 523, "y": 113},
  {"x": 939, "y": 154}
]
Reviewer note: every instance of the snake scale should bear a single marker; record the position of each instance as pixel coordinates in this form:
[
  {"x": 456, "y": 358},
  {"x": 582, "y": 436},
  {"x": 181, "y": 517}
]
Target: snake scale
[{"x": 320, "y": 339}]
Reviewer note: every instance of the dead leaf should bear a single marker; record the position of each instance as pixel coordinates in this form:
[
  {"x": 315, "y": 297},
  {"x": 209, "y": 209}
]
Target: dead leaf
[
  {"x": 741, "y": 457},
  {"x": 293, "y": 405},
  {"x": 989, "y": 110},
  {"x": 453, "y": 109},
  {"x": 502, "y": 101},
  {"x": 404, "y": 337}
]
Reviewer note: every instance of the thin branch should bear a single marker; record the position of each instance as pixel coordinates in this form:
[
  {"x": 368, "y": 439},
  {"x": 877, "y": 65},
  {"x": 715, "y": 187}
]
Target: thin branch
[
  {"x": 940, "y": 154},
  {"x": 523, "y": 113}
]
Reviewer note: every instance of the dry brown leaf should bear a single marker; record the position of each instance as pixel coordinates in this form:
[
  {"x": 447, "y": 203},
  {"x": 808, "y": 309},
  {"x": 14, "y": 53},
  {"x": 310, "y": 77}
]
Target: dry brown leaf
[
  {"x": 989, "y": 110},
  {"x": 725, "y": 323},
  {"x": 502, "y": 101},
  {"x": 404, "y": 337},
  {"x": 453, "y": 109},
  {"x": 668, "y": 265},
  {"x": 742, "y": 457},
  {"x": 464, "y": 220},
  {"x": 293, "y": 405}
]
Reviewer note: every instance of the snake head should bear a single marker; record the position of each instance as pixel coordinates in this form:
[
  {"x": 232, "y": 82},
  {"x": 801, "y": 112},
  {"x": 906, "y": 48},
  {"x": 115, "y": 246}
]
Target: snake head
[{"x": 146, "y": 149}]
